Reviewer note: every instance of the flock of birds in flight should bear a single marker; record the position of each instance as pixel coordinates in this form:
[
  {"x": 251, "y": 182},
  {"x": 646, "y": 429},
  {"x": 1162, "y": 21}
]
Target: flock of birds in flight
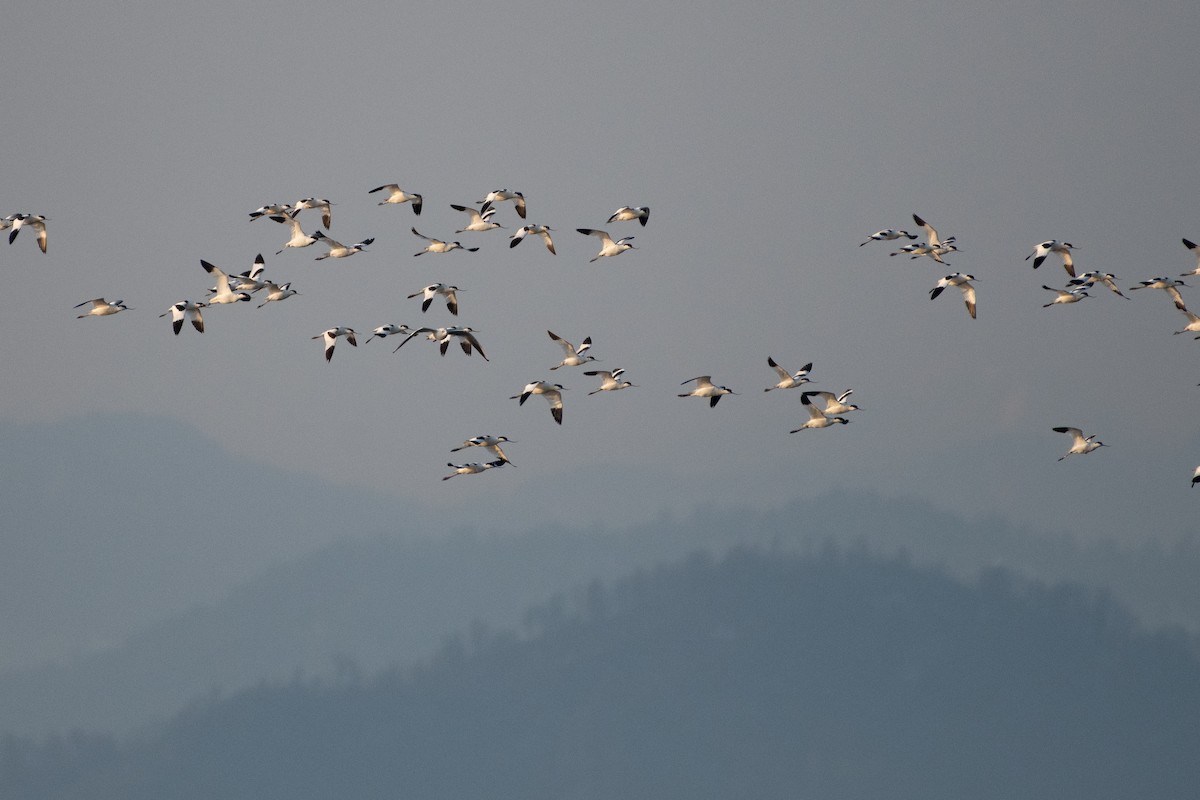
[{"x": 824, "y": 409}]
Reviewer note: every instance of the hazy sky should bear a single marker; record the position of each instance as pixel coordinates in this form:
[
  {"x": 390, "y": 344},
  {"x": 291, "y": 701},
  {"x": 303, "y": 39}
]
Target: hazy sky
[{"x": 769, "y": 139}]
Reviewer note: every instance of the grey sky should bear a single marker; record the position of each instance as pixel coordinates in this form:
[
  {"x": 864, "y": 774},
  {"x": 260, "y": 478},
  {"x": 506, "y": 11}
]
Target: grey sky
[{"x": 768, "y": 139}]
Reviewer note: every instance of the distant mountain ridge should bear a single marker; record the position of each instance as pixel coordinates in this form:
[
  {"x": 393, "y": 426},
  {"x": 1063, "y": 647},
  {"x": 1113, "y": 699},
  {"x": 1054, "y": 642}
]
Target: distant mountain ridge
[
  {"x": 371, "y": 602},
  {"x": 762, "y": 674}
]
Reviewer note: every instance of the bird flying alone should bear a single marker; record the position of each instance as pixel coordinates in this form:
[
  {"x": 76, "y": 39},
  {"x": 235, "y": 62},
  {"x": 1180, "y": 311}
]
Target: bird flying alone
[
  {"x": 609, "y": 381},
  {"x": 533, "y": 230},
  {"x": 331, "y": 336},
  {"x": 499, "y": 196},
  {"x": 397, "y": 195},
  {"x": 185, "y": 309},
  {"x": 963, "y": 282},
  {"x": 1061, "y": 249},
  {"x": 35, "y": 221},
  {"x": 607, "y": 246},
  {"x": 438, "y": 246},
  {"x": 572, "y": 356},
  {"x": 430, "y": 292},
  {"x": 1065, "y": 296},
  {"x": 339, "y": 250},
  {"x": 706, "y": 388},
  {"x": 490, "y": 443},
  {"x": 625, "y": 213},
  {"x": 1079, "y": 444},
  {"x": 102, "y": 308},
  {"x": 551, "y": 391}
]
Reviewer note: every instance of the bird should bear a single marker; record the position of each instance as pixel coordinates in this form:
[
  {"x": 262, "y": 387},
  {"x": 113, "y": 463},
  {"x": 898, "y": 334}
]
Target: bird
[
  {"x": 103, "y": 308},
  {"x": 499, "y": 196},
  {"x": 625, "y": 213},
  {"x": 963, "y": 282},
  {"x": 816, "y": 417},
  {"x": 607, "y": 246},
  {"x": 934, "y": 251},
  {"x": 438, "y": 246},
  {"x": 472, "y": 469},
  {"x": 433, "y": 290},
  {"x": 466, "y": 339},
  {"x": 706, "y": 388},
  {"x": 276, "y": 211},
  {"x": 834, "y": 403},
  {"x": 1092, "y": 278},
  {"x": 480, "y": 220},
  {"x": 789, "y": 380},
  {"x": 35, "y": 221},
  {"x": 1169, "y": 285},
  {"x": 384, "y": 331},
  {"x": 185, "y": 308},
  {"x": 1079, "y": 445},
  {"x": 315, "y": 203},
  {"x": 887, "y": 235},
  {"x": 223, "y": 293},
  {"x": 551, "y": 391},
  {"x": 397, "y": 195},
  {"x": 1196, "y": 476},
  {"x": 250, "y": 280},
  {"x": 1193, "y": 325},
  {"x": 1062, "y": 249},
  {"x": 931, "y": 233},
  {"x": 609, "y": 381},
  {"x": 331, "y": 336},
  {"x": 1065, "y": 296},
  {"x": 339, "y": 250},
  {"x": 299, "y": 237},
  {"x": 572, "y": 356},
  {"x": 531, "y": 230},
  {"x": 1190, "y": 245},
  {"x": 277, "y": 292},
  {"x": 491, "y": 443}
]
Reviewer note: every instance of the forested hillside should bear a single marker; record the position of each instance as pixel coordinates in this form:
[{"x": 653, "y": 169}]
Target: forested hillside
[{"x": 763, "y": 674}]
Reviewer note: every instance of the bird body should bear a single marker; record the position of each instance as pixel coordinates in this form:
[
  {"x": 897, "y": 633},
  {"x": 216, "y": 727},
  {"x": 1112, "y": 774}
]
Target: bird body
[
  {"x": 480, "y": 220},
  {"x": 1092, "y": 278},
  {"x": 788, "y": 380},
  {"x": 490, "y": 443},
  {"x": 35, "y": 221},
  {"x": 1065, "y": 296},
  {"x": 1079, "y": 444},
  {"x": 185, "y": 309},
  {"x": 438, "y": 246},
  {"x": 431, "y": 292},
  {"x": 331, "y": 336},
  {"x": 609, "y": 381},
  {"x": 572, "y": 356},
  {"x": 299, "y": 237},
  {"x": 397, "y": 195},
  {"x": 532, "y": 230},
  {"x": 277, "y": 292},
  {"x": 339, "y": 250},
  {"x": 472, "y": 469},
  {"x": 1168, "y": 285},
  {"x": 607, "y": 246},
  {"x": 626, "y": 213},
  {"x": 963, "y": 282},
  {"x": 324, "y": 206},
  {"x": 102, "y": 308},
  {"x": 1195, "y": 251},
  {"x": 816, "y": 417},
  {"x": 887, "y": 235},
  {"x": 384, "y": 331},
  {"x": 551, "y": 391},
  {"x": 1059, "y": 248},
  {"x": 706, "y": 388},
  {"x": 834, "y": 403},
  {"x": 223, "y": 293},
  {"x": 499, "y": 196}
]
